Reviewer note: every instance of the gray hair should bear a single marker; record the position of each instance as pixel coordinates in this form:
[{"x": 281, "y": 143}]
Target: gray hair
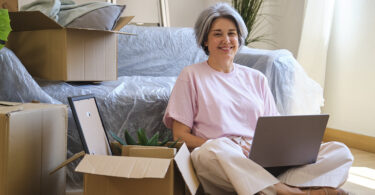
[{"x": 208, "y": 16}]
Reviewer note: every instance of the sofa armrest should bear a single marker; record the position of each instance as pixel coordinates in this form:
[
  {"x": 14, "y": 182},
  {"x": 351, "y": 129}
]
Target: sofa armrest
[{"x": 294, "y": 92}]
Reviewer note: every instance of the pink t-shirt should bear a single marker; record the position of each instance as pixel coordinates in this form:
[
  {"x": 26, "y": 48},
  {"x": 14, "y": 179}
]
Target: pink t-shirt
[{"x": 216, "y": 104}]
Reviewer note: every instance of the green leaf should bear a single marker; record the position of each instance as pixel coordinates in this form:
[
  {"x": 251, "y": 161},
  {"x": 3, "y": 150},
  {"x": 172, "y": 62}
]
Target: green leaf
[
  {"x": 129, "y": 139},
  {"x": 174, "y": 143},
  {"x": 250, "y": 11},
  {"x": 164, "y": 141},
  {"x": 117, "y": 138},
  {"x": 142, "y": 138},
  {"x": 153, "y": 141}
]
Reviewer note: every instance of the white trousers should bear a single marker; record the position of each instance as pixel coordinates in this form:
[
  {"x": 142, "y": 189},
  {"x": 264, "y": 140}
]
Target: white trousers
[{"x": 222, "y": 168}]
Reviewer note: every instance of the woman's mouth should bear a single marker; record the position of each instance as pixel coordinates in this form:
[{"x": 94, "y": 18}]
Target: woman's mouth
[{"x": 226, "y": 48}]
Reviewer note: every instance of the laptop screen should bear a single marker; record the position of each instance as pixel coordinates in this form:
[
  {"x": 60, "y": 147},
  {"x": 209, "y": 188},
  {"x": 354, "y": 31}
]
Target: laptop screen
[{"x": 288, "y": 140}]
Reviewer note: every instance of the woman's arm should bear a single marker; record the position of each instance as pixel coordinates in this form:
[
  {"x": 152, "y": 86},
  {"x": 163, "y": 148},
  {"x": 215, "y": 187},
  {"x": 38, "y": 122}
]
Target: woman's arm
[{"x": 184, "y": 133}]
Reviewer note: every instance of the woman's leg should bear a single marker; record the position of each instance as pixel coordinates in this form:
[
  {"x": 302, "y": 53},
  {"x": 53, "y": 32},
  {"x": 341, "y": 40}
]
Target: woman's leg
[
  {"x": 221, "y": 166},
  {"x": 331, "y": 168}
]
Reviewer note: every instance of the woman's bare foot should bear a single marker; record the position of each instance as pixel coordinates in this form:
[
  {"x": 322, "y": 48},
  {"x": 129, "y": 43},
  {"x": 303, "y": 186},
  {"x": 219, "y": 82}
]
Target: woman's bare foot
[{"x": 282, "y": 189}]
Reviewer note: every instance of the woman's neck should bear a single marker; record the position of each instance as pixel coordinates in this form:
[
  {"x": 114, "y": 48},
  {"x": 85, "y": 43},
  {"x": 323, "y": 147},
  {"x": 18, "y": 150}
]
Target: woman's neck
[{"x": 225, "y": 66}]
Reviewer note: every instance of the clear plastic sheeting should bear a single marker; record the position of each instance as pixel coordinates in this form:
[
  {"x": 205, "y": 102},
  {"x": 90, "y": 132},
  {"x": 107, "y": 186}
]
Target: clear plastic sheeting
[
  {"x": 294, "y": 92},
  {"x": 157, "y": 51},
  {"x": 16, "y": 84},
  {"x": 148, "y": 65},
  {"x": 131, "y": 102}
]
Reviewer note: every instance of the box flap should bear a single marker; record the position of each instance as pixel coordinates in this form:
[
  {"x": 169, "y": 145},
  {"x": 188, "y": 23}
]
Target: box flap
[
  {"x": 127, "y": 167},
  {"x": 4, "y": 103},
  {"x": 10, "y": 5},
  {"x": 119, "y": 25},
  {"x": 8, "y": 107},
  {"x": 108, "y": 31},
  {"x": 148, "y": 151},
  {"x": 186, "y": 168},
  {"x": 31, "y": 20},
  {"x": 122, "y": 22}
]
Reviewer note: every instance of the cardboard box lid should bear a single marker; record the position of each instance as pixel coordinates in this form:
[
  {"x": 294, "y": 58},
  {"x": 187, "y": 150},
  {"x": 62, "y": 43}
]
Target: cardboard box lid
[
  {"x": 8, "y": 107},
  {"x": 31, "y": 20},
  {"x": 186, "y": 168},
  {"x": 36, "y": 20},
  {"x": 126, "y": 167},
  {"x": 10, "y": 5},
  {"x": 14, "y": 107}
]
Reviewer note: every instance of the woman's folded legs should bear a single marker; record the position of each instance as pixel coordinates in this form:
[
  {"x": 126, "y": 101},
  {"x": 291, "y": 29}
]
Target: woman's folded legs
[{"x": 223, "y": 169}]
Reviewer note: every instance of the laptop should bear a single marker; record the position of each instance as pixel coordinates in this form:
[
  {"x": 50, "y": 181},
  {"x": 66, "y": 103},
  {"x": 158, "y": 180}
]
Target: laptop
[
  {"x": 281, "y": 142},
  {"x": 89, "y": 124}
]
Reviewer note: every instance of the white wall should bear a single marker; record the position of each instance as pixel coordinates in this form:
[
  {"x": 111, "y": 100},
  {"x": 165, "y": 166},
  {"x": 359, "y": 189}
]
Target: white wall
[
  {"x": 184, "y": 13},
  {"x": 283, "y": 21},
  {"x": 145, "y": 11},
  {"x": 350, "y": 77},
  {"x": 282, "y": 25}
]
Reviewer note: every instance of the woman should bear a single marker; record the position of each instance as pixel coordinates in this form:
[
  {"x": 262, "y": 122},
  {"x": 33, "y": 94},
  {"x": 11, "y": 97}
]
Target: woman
[{"x": 214, "y": 107}]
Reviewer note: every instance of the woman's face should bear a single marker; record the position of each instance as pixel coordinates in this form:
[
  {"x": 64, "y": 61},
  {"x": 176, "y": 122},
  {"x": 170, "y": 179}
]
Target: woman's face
[{"x": 222, "y": 39}]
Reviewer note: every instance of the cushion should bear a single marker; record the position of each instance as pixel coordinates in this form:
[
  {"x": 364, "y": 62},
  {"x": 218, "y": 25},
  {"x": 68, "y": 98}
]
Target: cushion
[{"x": 102, "y": 19}]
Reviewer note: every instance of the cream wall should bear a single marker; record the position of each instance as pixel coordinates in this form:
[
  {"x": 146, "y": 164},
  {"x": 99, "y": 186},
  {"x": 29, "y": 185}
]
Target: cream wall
[
  {"x": 283, "y": 24},
  {"x": 350, "y": 76},
  {"x": 183, "y": 13}
]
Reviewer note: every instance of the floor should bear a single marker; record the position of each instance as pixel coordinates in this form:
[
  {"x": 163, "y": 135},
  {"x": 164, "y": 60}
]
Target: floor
[{"x": 361, "y": 179}]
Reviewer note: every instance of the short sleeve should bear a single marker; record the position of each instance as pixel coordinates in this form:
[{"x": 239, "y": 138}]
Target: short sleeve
[
  {"x": 270, "y": 108},
  {"x": 181, "y": 104}
]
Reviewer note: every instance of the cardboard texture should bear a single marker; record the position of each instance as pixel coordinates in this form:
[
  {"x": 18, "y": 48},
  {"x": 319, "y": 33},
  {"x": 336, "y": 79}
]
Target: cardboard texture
[
  {"x": 33, "y": 140},
  {"x": 143, "y": 170},
  {"x": 52, "y": 52},
  {"x": 10, "y": 5}
]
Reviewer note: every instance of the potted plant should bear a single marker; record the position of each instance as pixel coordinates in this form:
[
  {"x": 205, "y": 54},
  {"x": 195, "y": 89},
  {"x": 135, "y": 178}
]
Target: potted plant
[
  {"x": 143, "y": 140},
  {"x": 250, "y": 12}
]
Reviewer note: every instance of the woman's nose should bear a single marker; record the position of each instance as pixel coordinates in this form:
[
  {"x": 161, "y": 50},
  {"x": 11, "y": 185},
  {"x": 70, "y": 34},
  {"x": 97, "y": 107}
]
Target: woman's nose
[{"x": 226, "y": 39}]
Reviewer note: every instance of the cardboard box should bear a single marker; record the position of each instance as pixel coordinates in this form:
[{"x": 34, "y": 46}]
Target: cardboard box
[
  {"x": 50, "y": 51},
  {"x": 143, "y": 170},
  {"x": 10, "y": 5},
  {"x": 33, "y": 140}
]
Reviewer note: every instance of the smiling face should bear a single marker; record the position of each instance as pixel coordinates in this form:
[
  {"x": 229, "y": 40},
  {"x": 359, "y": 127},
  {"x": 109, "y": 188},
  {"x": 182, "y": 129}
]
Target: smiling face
[{"x": 222, "y": 40}]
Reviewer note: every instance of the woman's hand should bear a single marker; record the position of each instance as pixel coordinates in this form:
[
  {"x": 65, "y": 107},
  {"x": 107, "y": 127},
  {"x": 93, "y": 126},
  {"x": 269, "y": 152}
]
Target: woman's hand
[
  {"x": 246, "y": 150},
  {"x": 243, "y": 143}
]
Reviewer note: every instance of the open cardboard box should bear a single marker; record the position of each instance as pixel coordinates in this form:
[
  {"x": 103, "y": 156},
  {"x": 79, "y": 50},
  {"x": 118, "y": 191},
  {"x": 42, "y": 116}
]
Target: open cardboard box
[
  {"x": 33, "y": 140},
  {"x": 10, "y": 5},
  {"x": 51, "y": 51},
  {"x": 140, "y": 170}
]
